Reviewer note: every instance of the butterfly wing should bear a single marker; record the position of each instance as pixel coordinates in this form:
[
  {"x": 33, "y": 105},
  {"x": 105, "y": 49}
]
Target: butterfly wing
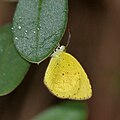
[
  {"x": 85, "y": 91},
  {"x": 64, "y": 77}
]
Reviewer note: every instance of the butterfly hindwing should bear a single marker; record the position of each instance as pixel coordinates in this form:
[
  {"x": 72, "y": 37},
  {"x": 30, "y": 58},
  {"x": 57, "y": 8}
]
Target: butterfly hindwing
[{"x": 65, "y": 77}]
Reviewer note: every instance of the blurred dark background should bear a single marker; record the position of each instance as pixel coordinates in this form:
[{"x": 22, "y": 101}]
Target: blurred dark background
[{"x": 95, "y": 42}]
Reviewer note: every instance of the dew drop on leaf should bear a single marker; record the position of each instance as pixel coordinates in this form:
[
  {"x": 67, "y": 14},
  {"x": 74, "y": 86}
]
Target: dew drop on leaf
[
  {"x": 16, "y": 38},
  {"x": 19, "y": 27}
]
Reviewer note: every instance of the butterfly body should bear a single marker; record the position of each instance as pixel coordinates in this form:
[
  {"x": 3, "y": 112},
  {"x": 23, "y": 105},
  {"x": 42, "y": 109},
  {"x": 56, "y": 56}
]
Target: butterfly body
[{"x": 66, "y": 78}]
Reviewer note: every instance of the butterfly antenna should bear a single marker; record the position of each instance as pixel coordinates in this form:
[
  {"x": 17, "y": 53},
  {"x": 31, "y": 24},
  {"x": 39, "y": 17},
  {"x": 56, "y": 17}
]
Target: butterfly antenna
[{"x": 69, "y": 37}]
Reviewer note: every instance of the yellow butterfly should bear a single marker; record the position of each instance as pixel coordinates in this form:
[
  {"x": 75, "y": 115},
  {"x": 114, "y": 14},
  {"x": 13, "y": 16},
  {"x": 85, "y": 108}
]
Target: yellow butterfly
[{"x": 65, "y": 77}]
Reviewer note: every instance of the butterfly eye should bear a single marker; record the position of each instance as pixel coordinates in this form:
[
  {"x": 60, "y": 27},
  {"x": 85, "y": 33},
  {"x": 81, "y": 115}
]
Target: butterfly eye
[{"x": 58, "y": 48}]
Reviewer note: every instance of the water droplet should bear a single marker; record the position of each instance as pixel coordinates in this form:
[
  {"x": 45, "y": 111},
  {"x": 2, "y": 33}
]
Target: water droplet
[
  {"x": 19, "y": 27},
  {"x": 26, "y": 31},
  {"x": 34, "y": 32},
  {"x": 16, "y": 38},
  {"x": 38, "y": 28},
  {"x": 20, "y": 18},
  {"x": 12, "y": 28}
]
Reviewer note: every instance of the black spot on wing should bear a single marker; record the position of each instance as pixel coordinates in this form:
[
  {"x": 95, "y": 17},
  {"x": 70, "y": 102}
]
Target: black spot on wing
[
  {"x": 75, "y": 73},
  {"x": 68, "y": 64}
]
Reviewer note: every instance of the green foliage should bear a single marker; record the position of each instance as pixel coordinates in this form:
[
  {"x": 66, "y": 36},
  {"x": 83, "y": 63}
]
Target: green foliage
[
  {"x": 12, "y": 67},
  {"x": 38, "y": 27},
  {"x": 65, "y": 111}
]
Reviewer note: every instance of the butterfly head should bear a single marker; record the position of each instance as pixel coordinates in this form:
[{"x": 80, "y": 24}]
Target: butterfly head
[{"x": 58, "y": 50}]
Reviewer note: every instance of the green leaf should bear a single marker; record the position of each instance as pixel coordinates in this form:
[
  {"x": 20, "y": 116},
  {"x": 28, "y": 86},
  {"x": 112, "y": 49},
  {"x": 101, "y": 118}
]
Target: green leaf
[
  {"x": 11, "y": 0},
  {"x": 38, "y": 27},
  {"x": 12, "y": 66},
  {"x": 65, "y": 111}
]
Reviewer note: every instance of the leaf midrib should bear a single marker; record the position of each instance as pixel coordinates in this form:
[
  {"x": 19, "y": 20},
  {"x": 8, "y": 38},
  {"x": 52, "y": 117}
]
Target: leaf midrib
[{"x": 38, "y": 19}]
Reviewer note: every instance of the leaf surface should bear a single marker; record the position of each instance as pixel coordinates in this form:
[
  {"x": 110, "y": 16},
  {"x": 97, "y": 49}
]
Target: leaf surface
[
  {"x": 38, "y": 27},
  {"x": 65, "y": 111},
  {"x": 12, "y": 66}
]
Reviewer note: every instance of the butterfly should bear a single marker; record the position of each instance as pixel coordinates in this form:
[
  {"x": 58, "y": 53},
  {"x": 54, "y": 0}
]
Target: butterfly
[{"x": 65, "y": 77}]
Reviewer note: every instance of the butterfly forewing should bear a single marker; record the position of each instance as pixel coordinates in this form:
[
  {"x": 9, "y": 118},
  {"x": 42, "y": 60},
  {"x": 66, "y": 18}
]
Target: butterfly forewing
[{"x": 65, "y": 77}]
